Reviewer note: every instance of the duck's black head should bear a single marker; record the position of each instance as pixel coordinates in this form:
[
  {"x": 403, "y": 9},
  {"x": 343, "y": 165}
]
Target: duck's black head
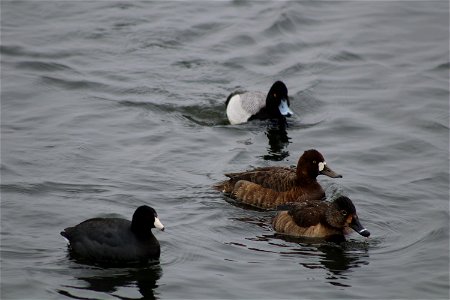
[
  {"x": 277, "y": 101},
  {"x": 144, "y": 219}
]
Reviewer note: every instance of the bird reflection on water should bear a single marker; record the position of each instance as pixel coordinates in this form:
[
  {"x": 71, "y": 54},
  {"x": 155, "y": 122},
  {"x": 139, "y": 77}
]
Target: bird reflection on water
[
  {"x": 278, "y": 141},
  {"x": 336, "y": 255},
  {"x": 339, "y": 259},
  {"x": 111, "y": 280}
]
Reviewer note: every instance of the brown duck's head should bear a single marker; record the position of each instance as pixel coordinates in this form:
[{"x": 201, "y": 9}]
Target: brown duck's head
[
  {"x": 312, "y": 164},
  {"x": 341, "y": 213}
]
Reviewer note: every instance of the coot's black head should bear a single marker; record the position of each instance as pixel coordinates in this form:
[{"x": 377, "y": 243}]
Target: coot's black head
[
  {"x": 277, "y": 101},
  {"x": 144, "y": 219},
  {"x": 342, "y": 213},
  {"x": 311, "y": 164}
]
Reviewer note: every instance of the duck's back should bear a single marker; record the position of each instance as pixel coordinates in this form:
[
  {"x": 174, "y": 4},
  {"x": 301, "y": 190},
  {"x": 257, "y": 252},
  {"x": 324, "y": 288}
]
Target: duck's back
[
  {"x": 242, "y": 106},
  {"x": 305, "y": 219},
  {"x": 278, "y": 179},
  {"x": 110, "y": 240},
  {"x": 255, "y": 195},
  {"x": 283, "y": 223},
  {"x": 253, "y": 102}
]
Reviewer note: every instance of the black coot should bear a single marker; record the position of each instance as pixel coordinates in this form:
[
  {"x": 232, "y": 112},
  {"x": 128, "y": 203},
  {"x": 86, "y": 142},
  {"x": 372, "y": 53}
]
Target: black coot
[{"x": 115, "y": 240}]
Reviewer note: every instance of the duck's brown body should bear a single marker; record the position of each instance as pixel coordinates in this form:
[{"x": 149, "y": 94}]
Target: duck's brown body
[
  {"x": 276, "y": 178},
  {"x": 271, "y": 186},
  {"x": 255, "y": 195},
  {"x": 319, "y": 219},
  {"x": 284, "y": 223}
]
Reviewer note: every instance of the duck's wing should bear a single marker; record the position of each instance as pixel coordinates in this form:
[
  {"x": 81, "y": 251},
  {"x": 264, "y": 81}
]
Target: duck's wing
[
  {"x": 253, "y": 102},
  {"x": 98, "y": 232},
  {"x": 276, "y": 178},
  {"x": 308, "y": 213},
  {"x": 256, "y": 195}
]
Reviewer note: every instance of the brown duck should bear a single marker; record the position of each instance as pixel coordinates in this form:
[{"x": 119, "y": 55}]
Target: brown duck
[
  {"x": 269, "y": 187},
  {"x": 319, "y": 219}
]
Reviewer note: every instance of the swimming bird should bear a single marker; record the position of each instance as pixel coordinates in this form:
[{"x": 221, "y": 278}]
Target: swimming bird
[
  {"x": 245, "y": 106},
  {"x": 104, "y": 240},
  {"x": 319, "y": 219},
  {"x": 269, "y": 187}
]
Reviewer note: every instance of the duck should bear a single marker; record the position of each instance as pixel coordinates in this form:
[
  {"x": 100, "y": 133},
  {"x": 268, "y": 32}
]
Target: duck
[
  {"x": 116, "y": 240},
  {"x": 318, "y": 219},
  {"x": 245, "y": 106},
  {"x": 268, "y": 187}
]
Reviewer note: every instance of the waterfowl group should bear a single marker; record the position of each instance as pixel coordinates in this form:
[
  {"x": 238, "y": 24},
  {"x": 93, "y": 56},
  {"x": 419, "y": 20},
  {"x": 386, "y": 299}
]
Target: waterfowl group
[
  {"x": 308, "y": 215},
  {"x": 293, "y": 192},
  {"x": 299, "y": 198}
]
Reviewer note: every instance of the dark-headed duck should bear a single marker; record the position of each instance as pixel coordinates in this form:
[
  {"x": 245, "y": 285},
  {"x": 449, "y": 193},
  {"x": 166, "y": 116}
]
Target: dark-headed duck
[
  {"x": 245, "y": 106},
  {"x": 116, "y": 240},
  {"x": 319, "y": 219},
  {"x": 269, "y": 187}
]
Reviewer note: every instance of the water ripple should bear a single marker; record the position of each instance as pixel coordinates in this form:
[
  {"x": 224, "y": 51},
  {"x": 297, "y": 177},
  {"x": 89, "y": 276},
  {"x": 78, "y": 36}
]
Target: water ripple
[
  {"x": 43, "y": 66},
  {"x": 74, "y": 84},
  {"x": 22, "y": 51},
  {"x": 51, "y": 186}
]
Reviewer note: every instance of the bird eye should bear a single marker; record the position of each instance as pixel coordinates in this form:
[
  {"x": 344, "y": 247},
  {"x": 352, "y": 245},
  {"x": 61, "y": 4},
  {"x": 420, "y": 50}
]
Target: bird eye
[
  {"x": 343, "y": 212},
  {"x": 314, "y": 162}
]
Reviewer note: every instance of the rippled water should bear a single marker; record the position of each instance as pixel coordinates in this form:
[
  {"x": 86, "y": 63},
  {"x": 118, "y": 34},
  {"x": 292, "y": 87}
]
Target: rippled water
[{"x": 109, "y": 105}]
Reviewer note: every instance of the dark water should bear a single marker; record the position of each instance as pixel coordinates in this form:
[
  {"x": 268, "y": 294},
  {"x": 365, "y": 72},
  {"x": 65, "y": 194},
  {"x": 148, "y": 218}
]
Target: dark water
[{"x": 106, "y": 106}]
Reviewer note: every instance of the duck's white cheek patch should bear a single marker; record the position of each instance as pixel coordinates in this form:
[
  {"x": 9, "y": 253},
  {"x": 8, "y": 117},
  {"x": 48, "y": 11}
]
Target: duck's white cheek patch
[
  {"x": 322, "y": 166},
  {"x": 158, "y": 224}
]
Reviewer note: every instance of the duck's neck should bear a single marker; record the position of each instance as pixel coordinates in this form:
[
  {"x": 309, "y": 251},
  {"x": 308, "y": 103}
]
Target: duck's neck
[
  {"x": 304, "y": 178},
  {"x": 141, "y": 231},
  {"x": 272, "y": 107}
]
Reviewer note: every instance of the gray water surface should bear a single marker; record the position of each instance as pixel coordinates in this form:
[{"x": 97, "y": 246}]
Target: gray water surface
[{"x": 106, "y": 106}]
